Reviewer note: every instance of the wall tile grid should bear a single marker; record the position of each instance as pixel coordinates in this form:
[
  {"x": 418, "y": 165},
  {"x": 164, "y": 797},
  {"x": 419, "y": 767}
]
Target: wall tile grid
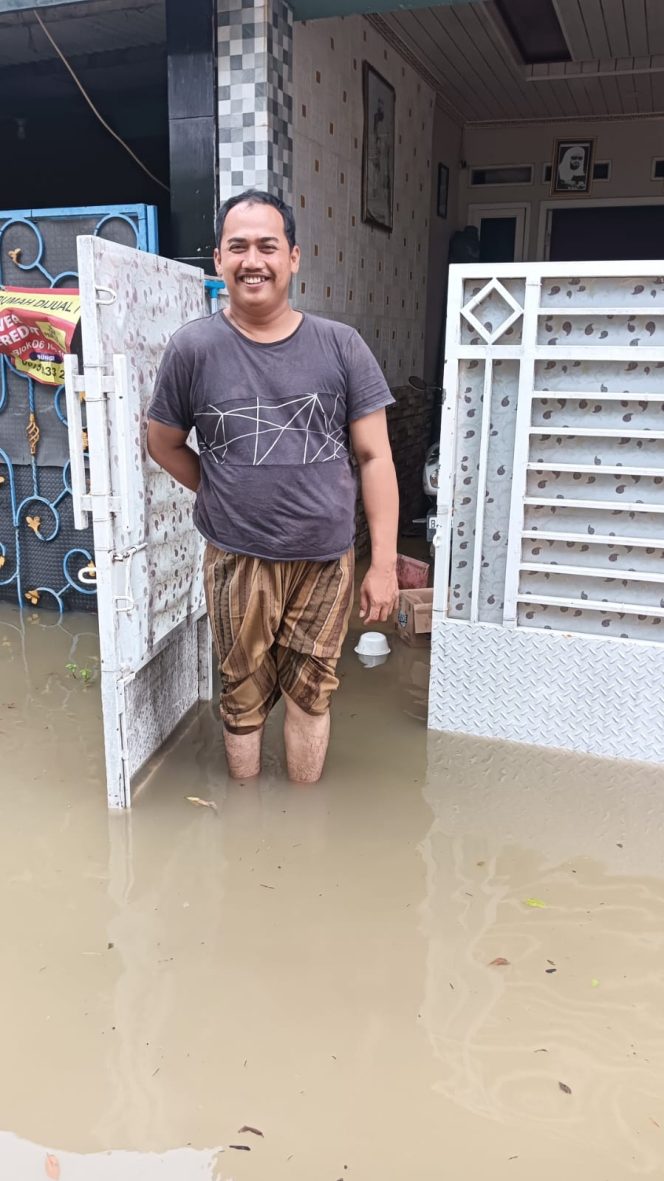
[
  {"x": 352, "y": 271},
  {"x": 254, "y": 96}
]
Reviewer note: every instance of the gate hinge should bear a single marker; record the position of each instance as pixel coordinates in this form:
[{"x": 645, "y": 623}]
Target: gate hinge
[{"x": 103, "y": 384}]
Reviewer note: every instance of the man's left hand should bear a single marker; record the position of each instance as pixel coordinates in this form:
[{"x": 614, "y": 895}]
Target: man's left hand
[{"x": 379, "y": 594}]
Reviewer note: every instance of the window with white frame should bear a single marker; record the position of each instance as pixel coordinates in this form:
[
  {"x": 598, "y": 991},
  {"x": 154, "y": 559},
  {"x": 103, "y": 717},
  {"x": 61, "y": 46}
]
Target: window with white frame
[
  {"x": 601, "y": 171},
  {"x": 502, "y": 174}
]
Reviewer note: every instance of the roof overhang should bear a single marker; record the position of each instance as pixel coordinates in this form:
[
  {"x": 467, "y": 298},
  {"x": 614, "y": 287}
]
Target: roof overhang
[
  {"x": 302, "y": 9},
  {"x": 21, "y": 5},
  {"x": 312, "y": 9}
]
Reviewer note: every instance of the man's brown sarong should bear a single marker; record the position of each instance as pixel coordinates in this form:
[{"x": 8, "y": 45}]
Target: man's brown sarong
[{"x": 278, "y": 627}]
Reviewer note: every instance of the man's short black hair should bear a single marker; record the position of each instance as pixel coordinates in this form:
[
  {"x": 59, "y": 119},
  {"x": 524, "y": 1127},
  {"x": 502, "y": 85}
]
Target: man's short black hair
[{"x": 256, "y": 197}]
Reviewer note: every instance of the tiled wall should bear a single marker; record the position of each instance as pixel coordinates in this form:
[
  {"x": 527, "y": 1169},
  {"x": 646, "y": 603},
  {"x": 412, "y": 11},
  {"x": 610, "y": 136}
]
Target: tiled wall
[
  {"x": 447, "y": 140},
  {"x": 254, "y": 93},
  {"x": 352, "y": 271},
  {"x": 291, "y": 121}
]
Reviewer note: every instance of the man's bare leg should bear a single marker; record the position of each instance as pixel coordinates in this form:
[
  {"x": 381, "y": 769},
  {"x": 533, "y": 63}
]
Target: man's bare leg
[
  {"x": 243, "y": 753},
  {"x": 307, "y": 737}
]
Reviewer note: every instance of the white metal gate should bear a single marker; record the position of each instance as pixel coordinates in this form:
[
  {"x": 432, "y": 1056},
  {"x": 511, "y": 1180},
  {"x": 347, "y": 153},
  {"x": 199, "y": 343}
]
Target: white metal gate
[
  {"x": 549, "y": 588},
  {"x": 154, "y": 636}
]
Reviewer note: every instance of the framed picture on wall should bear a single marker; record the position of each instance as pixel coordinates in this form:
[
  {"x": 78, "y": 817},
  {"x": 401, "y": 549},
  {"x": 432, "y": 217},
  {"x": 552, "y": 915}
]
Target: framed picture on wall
[
  {"x": 443, "y": 189},
  {"x": 378, "y": 149},
  {"x": 572, "y": 167}
]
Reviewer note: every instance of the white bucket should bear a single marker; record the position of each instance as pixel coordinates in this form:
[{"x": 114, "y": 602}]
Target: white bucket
[{"x": 373, "y": 644}]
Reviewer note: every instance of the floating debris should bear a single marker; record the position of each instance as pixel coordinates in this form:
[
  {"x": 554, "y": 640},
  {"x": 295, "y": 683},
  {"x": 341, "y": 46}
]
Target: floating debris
[{"x": 199, "y": 803}]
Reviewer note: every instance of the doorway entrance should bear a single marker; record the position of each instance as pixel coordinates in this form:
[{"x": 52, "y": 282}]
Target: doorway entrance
[
  {"x": 605, "y": 232},
  {"x": 502, "y": 231}
]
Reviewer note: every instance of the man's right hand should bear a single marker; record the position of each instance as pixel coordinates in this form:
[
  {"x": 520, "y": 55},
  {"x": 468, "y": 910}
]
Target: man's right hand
[
  {"x": 167, "y": 445},
  {"x": 379, "y": 594}
]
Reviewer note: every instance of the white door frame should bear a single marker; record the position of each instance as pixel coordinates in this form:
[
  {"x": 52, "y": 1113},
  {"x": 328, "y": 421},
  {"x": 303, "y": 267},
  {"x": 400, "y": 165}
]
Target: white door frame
[
  {"x": 547, "y": 207},
  {"x": 520, "y": 210}
]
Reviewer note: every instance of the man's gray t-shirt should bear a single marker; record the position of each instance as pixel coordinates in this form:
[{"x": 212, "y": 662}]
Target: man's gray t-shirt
[{"x": 272, "y": 428}]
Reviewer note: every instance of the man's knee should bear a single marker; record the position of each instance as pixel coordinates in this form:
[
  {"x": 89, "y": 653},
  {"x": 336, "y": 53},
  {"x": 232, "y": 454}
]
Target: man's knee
[
  {"x": 307, "y": 681},
  {"x": 241, "y": 727},
  {"x": 246, "y": 704},
  {"x": 309, "y": 711}
]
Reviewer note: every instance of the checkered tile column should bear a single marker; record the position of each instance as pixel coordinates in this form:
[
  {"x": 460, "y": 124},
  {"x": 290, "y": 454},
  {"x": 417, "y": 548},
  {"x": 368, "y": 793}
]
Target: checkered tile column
[{"x": 255, "y": 96}]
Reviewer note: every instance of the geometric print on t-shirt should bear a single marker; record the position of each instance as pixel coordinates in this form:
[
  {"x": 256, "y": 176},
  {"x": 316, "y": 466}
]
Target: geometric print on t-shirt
[{"x": 290, "y": 432}]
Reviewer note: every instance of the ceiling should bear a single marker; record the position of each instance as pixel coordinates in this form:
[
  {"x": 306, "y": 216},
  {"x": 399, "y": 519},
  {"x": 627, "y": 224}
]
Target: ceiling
[
  {"x": 98, "y": 25},
  {"x": 617, "y": 65},
  {"x": 303, "y": 9},
  {"x": 460, "y": 46}
]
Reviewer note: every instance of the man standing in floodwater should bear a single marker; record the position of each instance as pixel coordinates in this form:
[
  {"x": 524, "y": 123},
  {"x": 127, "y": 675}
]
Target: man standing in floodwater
[{"x": 277, "y": 397}]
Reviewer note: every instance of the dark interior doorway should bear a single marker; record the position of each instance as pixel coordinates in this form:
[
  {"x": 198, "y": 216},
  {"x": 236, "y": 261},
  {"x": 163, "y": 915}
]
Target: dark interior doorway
[
  {"x": 608, "y": 232},
  {"x": 55, "y": 152},
  {"x": 497, "y": 239}
]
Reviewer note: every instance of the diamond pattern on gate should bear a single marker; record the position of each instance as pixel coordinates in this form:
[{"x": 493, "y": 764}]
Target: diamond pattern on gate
[{"x": 489, "y": 333}]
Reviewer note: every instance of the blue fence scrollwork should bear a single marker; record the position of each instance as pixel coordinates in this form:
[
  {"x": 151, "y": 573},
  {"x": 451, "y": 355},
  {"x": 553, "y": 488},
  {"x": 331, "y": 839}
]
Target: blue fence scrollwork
[{"x": 43, "y": 561}]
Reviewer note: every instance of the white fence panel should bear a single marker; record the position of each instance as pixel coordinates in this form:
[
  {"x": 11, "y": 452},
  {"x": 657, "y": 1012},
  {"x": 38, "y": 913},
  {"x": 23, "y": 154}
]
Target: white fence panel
[{"x": 551, "y": 508}]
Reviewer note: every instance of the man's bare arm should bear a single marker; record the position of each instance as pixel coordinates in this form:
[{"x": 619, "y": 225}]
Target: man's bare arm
[
  {"x": 168, "y": 447},
  {"x": 380, "y": 494}
]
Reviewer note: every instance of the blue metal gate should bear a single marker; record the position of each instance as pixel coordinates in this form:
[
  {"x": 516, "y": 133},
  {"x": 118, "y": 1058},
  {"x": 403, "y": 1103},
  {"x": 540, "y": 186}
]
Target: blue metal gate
[{"x": 43, "y": 562}]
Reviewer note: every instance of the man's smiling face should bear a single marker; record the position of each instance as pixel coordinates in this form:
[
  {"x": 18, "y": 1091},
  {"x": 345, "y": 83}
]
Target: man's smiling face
[{"x": 254, "y": 258}]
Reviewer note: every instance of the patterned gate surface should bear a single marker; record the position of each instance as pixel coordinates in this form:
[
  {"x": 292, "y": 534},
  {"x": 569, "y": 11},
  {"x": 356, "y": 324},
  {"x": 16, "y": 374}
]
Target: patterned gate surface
[
  {"x": 41, "y": 557},
  {"x": 153, "y": 632},
  {"x": 549, "y": 593}
]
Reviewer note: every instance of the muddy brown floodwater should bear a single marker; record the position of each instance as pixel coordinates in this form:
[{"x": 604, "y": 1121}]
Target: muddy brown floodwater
[{"x": 323, "y": 964}]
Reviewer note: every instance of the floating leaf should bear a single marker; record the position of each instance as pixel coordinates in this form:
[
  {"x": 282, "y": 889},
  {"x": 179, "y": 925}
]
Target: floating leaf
[
  {"x": 33, "y": 523},
  {"x": 2, "y": 560},
  {"x": 52, "y": 1166},
  {"x": 565, "y": 1088},
  {"x": 201, "y": 803},
  {"x": 32, "y": 596},
  {"x": 248, "y": 1128},
  {"x": 536, "y": 902},
  {"x": 499, "y": 962}
]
